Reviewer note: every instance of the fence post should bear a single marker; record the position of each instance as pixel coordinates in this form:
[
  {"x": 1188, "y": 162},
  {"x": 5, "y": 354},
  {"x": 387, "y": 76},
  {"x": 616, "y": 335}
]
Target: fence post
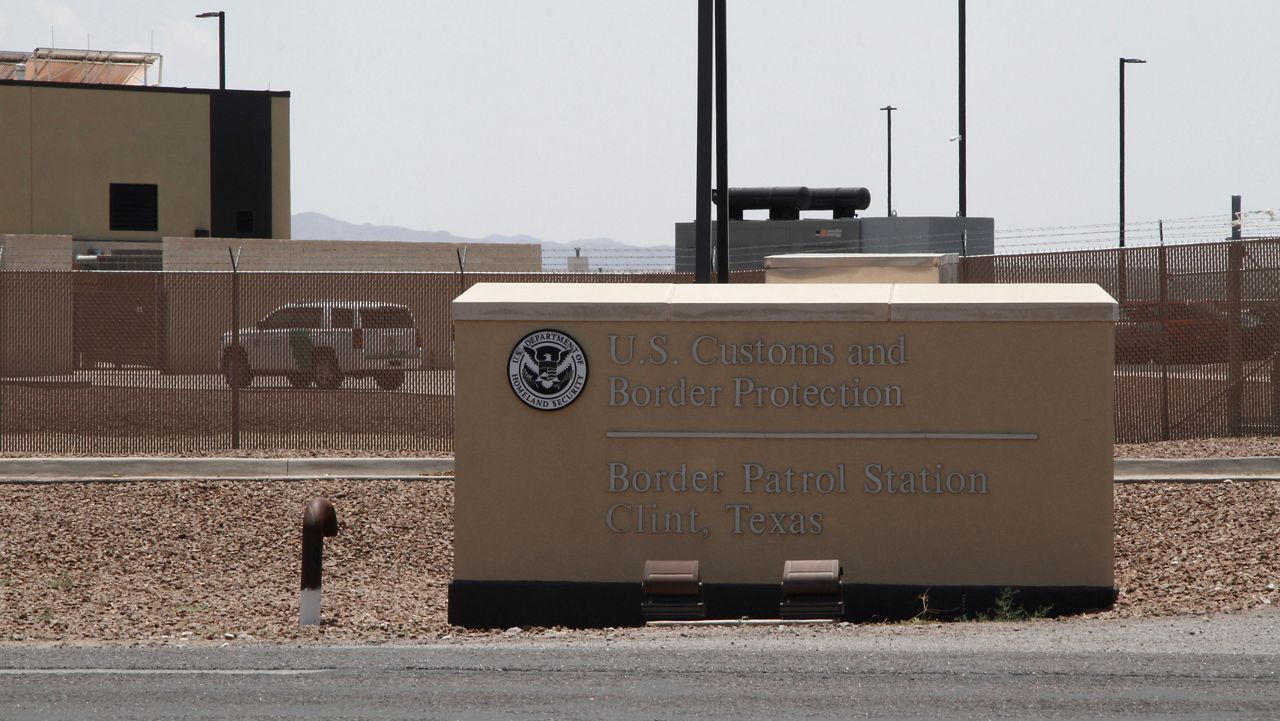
[
  {"x": 1164, "y": 338},
  {"x": 234, "y": 371},
  {"x": 1235, "y": 362},
  {"x": 1122, "y": 276},
  {"x": 4, "y": 341},
  {"x": 1274, "y": 380}
]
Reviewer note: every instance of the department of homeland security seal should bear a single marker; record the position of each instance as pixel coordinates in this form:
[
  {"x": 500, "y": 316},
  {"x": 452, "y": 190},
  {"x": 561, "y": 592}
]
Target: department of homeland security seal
[{"x": 547, "y": 370}]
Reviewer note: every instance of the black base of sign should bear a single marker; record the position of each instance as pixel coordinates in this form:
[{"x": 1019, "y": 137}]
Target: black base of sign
[{"x": 502, "y": 604}]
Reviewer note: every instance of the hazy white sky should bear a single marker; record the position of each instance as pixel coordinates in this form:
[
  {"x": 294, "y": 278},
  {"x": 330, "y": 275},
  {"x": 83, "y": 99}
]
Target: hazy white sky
[{"x": 573, "y": 119}]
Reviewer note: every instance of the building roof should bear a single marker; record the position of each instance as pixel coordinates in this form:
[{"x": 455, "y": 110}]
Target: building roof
[{"x": 91, "y": 67}]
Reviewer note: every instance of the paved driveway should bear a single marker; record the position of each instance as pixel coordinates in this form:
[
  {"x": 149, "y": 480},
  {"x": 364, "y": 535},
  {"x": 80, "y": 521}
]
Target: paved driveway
[{"x": 1184, "y": 668}]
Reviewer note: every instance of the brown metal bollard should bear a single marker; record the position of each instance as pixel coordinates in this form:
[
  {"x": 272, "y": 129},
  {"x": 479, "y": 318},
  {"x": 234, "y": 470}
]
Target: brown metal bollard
[{"x": 319, "y": 520}]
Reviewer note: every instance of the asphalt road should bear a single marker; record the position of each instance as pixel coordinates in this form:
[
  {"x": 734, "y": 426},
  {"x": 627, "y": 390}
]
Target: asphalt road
[{"x": 1185, "y": 668}]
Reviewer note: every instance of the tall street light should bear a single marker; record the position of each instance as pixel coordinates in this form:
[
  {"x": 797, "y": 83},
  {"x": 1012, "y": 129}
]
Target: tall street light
[
  {"x": 962, "y": 134},
  {"x": 222, "y": 45},
  {"x": 702, "y": 216},
  {"x": 722, "y": 143},
  {"x": 888, "y": 118},
  {"x": 1123, "y": 62}
]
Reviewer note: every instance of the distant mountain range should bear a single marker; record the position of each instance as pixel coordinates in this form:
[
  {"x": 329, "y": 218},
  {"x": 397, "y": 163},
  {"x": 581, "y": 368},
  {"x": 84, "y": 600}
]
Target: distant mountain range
[{"x": 603, "y": 253}]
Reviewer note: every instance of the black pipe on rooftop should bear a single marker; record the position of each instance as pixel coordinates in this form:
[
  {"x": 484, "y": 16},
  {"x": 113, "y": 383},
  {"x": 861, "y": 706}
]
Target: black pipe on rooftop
[
  {"x": 843, "y": 202},
  {"x": 786, "y": 203},
  {"x": 782, "y": 203}
]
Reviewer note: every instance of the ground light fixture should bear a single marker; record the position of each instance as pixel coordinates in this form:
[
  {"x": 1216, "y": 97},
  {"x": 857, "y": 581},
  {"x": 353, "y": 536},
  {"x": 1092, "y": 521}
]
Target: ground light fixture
[
  {"x": 672, "y": 591},
  {"x": 222, "y": 45}
]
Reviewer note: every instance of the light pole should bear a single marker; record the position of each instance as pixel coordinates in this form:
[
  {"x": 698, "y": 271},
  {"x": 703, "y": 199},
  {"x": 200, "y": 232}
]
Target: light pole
[
  {"x": 888, "y": 119},
  {"x": 222, "y": 45},
  {"x": 1123, "y": 62},
  {"x": 722, "y": 143},
  {"x": 962, "y": 134},
  {"x": 702, "y": 215}
]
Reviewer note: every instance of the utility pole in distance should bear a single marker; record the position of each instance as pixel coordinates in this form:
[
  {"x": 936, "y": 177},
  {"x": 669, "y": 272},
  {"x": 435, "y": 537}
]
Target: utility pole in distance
[
  {"x": 722, "y": 145},
  {"x": 963, "y": 132},
  {"x": 702, "y": 211},
  {"x": 1123, "y": 62},
  {"x": 888, "y": 118}
]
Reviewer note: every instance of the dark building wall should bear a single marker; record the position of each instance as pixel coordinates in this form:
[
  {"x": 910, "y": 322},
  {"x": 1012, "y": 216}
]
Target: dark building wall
[{"x": 240, "y": 164}]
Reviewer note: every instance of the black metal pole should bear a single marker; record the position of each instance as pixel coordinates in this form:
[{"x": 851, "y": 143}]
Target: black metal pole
[
  {"x": 237, "y": 364},
  {"x": 964, "y": 132},
  {"x": 888, "y": 120},
  {"x": 222, "y": 50},
  {"x": 5, "y": 345},
  {"x": 702, "y": 212},
  {"x": 722, "y": 145},
  {"x": 1164, "y": 338},
  {"x": 1123, "y": 62},
  {"x": 1122, "y": 152},
  {"x": 1236, "y": 221},
  {"x": 234, "y": 362}
]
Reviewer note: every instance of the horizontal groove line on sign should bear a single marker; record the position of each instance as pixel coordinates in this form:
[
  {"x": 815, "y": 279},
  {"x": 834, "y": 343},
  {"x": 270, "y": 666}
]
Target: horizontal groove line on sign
[{"x": 832, "y": 435}]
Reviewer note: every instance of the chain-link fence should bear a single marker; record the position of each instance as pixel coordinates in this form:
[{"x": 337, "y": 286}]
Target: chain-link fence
[
  {"x": 1197, "y": 337},
  {"x": 150, "y": 362},
  {"x": 154, "y": 362}
]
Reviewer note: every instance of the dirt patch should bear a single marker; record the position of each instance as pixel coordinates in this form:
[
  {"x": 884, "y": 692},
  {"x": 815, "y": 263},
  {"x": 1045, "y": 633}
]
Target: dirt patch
[
  {"x": 219, "y": 561},
  {"x": 155, "y": 561},
  {"x": 1196, "y": 547}
]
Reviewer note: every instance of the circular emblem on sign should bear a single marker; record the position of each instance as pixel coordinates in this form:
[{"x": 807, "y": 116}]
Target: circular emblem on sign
[{"x": 547, "y": 370}]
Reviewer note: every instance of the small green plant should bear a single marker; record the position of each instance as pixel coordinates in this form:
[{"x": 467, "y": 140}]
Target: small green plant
[
  {"x": 1007, "y": 609},
  {"x": 63, "y": 582}
]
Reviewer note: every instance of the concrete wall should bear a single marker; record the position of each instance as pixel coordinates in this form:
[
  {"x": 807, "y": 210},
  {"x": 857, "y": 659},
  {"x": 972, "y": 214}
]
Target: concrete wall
[
  {"x": 82, "y": 139},
  {"x": 1008, "y": 387},
  {"x": 281, "y": 178},
  {"x": 15, "y": 160},
  {"x": 35, "y": 307},
  {"x": 862, "y": 268},
  {"x": 348, "y": 255}
]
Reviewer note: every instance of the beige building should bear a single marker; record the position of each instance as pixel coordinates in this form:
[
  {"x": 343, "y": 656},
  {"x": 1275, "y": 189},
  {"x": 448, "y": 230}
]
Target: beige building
[{"x": 134, "y": 162}]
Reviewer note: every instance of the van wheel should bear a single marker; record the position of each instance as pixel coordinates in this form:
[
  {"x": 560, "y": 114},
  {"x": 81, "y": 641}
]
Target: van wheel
[
  {"x": 300, "y": 380},
  {"x": 237, "y": 371},
  {"x": 328, "y": 377},
  {"x": 389, "y": 380}
]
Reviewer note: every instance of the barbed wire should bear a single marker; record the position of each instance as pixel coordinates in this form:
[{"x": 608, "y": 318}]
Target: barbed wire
[{"x": 492, "y": 258}]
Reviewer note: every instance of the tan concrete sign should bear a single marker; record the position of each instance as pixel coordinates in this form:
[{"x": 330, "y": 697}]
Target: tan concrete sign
[
  {"x": 862, "y": 268},
  {"x": 948, "y": 436}
]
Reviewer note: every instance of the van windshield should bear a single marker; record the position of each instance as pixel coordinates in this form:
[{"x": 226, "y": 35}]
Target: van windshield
[{"x": 387, "y": 316}]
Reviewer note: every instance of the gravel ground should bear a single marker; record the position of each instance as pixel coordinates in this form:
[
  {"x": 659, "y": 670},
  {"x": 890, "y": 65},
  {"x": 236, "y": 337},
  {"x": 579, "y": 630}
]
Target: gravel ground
[
  {"x": 1202, "y": 448},
  {"x": 218, "y": 561}
]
